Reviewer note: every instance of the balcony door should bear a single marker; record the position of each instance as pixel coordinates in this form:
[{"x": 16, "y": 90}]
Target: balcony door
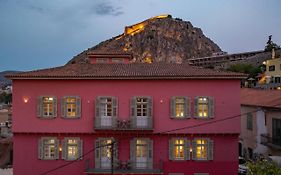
[
  {"x": 106, "y": 111},
  {"x": 276, "y": 131},
  {"x": 141, "y": 153},
  {"x": 103, "y": 153},
  {"x": 106, "y": 154},
  {"x": 142, "y": 117}
]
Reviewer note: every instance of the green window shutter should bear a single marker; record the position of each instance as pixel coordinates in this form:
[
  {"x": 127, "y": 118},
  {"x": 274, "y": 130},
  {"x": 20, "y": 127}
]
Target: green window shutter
[
  {"x": 56, "y": 148},
  {"x": 186, "y": 149},
  {"x": 194, "y": 157},
  {"x": 133, "y": 112},
  {"x": 211, "y": 107},
  {"x": 78, "y": 106},
  {"x": 97, "y": 120},
  {"x": 172, "y": 107},
  {"x": 210, "y": 149},
  {"x": 55, "y": 106},
  {"x": 63, "y": 107},
  {"x": 196, "y": 112},
  {"x": 187, "y": 107},
  {"x": 114, "y": 111},
  {"x": 40, "y": 106},
  {"x": 171, "y": 149},
  {"x": 133, "y": 153},
  {"x": 97, "y": 153},
  {"x": 64, "y": 149},
  {"x": 115, "y": 154},
  {"x": 150, "y": 111},
  {"x": 40, "y": 149},
  {"x": 150, "y": 154},
  {"x": 80, "y": 149}
]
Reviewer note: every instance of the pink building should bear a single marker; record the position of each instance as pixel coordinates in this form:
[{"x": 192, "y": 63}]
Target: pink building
[{"x": 136, "y": 118}]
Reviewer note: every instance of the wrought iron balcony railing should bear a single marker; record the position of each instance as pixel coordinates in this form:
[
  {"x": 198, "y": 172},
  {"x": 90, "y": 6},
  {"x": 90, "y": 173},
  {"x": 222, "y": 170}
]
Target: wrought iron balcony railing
[
  {"x": 271, "y": 141},
  {"x": 127, "y": 167},
  {"x": 113, "y": 123}
]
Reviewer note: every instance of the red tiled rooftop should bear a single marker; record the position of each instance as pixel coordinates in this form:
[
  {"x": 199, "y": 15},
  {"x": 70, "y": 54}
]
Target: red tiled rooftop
[
  {"x": 261, "y": 98},
  {"x": 127, "y": 71}
]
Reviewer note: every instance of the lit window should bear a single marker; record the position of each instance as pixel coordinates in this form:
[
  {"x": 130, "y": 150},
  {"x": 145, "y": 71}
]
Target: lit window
[
  {"x": 48, "y": 148},
  {"x": 72, "y": 148},
  {"x": 202, "y": 149},
  {"x": 204, "y": 107},
  {"x": 71, "y": 107},
  {"x": 103, "y": 152},
  {"x": 179, "y": 149},
  {"x": 47, "y": 107}
]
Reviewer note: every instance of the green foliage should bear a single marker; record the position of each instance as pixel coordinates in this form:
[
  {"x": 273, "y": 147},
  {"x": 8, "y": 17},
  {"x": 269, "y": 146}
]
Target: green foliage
[
  {"x": 5, "y": 98},
  {"x": 263, "y": 167},
  {"x": 245, "y": 68},
  {"x": 271, "y": 45}
]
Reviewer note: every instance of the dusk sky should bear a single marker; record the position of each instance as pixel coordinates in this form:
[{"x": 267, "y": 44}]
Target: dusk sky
[{"x": 47, "y": 33}]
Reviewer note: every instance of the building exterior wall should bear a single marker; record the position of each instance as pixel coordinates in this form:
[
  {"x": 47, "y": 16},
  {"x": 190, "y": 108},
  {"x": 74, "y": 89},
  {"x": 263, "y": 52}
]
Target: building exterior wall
[
  {"x": 28, "y": 128},
  {"x": 277, "y": 63}
]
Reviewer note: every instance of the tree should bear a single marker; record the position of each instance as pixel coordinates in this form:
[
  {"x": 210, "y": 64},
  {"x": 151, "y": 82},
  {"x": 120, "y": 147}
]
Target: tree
[
  {"x": 245, "y": 68},
  {"x": 263, "y": 167},
  {"x": 270, "y": 44}
]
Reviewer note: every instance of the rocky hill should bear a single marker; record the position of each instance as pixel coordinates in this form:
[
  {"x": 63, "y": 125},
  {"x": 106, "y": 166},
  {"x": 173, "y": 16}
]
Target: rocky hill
[
  {"x": 158, "y": 39},
  {"x": 4, "y": 81}
]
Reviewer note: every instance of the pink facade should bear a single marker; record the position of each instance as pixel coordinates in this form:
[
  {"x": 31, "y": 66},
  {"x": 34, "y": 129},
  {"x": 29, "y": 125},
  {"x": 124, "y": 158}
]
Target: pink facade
[{"x": 28, "y": 128}]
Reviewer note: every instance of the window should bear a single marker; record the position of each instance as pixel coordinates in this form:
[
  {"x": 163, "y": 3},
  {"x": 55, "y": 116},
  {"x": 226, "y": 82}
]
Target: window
[
  {"x": 117, "y": 60},
  {"x": 48, "y": 148},
  {"x": 271, "y": 68},
  {"x": 202, "y": 149},
  {"x": 249, "y": 121},
  {"x": 47, "y": 107},
  {"x": 71, "y": 107},
  {"x": 201, "y": 173},
  {"x": 141, "y": 112},
  {"x": 179, "y": 149},
  {"x": 106, "y": 112},
  {"x": 276, "y": 132},
  {"x": 103, "y": 152},
  {"x": 101, "y": 60},
  {"x": 204, "y": 107},
  {"x": 180, "y": 107},
  {"x": 72, "y": 148},
  {"x": 141, "y": 153}
]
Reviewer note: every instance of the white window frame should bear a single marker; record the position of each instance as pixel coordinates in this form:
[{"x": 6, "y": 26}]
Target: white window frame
[{"x": 43, "y": 146}]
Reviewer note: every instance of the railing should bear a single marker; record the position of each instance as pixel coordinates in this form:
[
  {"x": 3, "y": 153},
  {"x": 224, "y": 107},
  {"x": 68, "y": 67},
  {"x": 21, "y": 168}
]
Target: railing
[
  {"x": 128, "y": 167},
  {"x": 270, "y": 141},
  {"x": 113, "y": 123},
  {"x": 268, "y": 85}
]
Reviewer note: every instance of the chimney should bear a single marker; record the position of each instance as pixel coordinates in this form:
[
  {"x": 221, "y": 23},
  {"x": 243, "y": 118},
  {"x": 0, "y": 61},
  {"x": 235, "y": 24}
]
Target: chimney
[{"x": 273, "y": 54}]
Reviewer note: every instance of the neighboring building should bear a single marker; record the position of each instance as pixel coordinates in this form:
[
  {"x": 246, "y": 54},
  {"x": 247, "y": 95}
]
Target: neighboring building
[
  {"x": 260, "y": 123},
  {"x": 271, "y": 78},
  {"x": 157, "y": 118}
]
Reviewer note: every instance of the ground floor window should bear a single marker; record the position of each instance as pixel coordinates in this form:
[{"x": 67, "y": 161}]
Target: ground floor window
[{"x": 48, "y": 148}]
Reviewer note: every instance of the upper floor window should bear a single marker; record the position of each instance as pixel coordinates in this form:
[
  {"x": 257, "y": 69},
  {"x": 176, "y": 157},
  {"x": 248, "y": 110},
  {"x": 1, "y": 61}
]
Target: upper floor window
[
  {"x": 47, "y": 107},
  {"x": 102, "y": 60},
  {"x": 71, "y": 148},
  {"x": 48, "y": 148},
  {"x": 249, "y": 121},
  {"x": 117, "y": 60},
  {"x": 141, "y": 112},
  {"x": 179, "y": 149},
  {"x": 106, "y": 111},
  {"x": 180, "y": 107},
  {"x": 204, "y": 107},
  {"x": 71, "y": 107},
  {"x": 202, "y": 149},
  {"x": 271, "y": 68}
]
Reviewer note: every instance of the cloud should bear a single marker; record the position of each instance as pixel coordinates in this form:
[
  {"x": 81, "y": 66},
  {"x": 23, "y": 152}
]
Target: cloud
[{"x": 105, "y": 8}]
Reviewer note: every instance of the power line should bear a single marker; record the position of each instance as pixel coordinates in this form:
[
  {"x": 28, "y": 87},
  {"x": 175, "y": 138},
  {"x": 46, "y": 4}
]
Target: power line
[{"x": 162, "y": 132}]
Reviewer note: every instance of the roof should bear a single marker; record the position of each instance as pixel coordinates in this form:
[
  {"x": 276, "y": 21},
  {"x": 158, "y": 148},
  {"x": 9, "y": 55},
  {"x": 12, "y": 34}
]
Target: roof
[
  {"x": 261, "y": 98},
  {"x": 127, "y": 71}
]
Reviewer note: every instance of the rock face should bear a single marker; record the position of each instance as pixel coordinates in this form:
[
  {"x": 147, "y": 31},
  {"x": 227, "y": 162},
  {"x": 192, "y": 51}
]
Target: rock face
[{"x": 158, "y": 40}]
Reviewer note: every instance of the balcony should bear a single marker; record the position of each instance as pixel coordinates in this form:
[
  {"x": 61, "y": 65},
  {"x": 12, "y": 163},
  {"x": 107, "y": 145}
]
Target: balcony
[
  {"x": 270, "y": 141},
  {"x": 127, "y": 167},
  {"x": 113, "y": 123}
]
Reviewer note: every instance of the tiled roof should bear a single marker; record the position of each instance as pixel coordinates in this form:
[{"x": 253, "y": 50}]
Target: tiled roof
[
  {"x": 127, "y": 71},
  {"x": 261, "y": 98}
]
